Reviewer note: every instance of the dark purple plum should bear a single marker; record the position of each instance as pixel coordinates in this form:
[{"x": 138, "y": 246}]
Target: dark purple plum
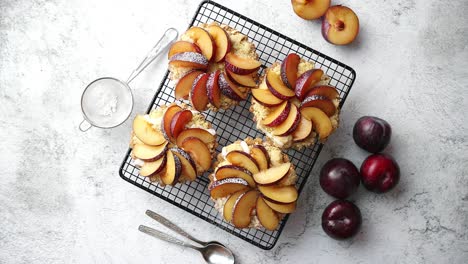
[
  {"x": 372, "y": 133},
  {"x": 380, "y": 173},
  {"x": 339, "y": 178},
  {"x": 341, "y": 219}
]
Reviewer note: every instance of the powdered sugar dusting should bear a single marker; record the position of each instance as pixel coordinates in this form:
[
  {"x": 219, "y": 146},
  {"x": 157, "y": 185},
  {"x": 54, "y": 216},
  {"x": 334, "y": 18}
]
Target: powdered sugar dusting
[{"x": 191, "y": 57}]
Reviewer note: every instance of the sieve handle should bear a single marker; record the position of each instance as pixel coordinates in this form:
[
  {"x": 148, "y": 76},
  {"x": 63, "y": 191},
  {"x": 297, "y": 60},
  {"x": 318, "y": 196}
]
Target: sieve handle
[
  {"x": 84, "y": 126},
  {"x": 169, "y": 36}
]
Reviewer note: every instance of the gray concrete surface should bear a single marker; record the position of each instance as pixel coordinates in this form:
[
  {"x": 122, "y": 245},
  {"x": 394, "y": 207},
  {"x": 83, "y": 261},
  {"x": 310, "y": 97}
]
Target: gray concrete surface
[{"x": 62, "y": 201}]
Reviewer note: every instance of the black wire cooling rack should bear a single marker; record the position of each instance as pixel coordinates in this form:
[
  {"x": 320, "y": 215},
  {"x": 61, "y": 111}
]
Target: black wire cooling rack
[{"x": 234, "y": 124}]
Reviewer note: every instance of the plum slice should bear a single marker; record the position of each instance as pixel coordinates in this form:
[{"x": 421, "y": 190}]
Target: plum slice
[
  {"x": 242, "y": 159},
  {"x": 289, "y": 68},
  {"x": 273, "y": 174},
  {"x": 320, "y": 121},
  {"x": 230, "y": 89},
  {"x": 189, "y": 168},
  {"x": 173, "y": 169},
  {"x": 199, "y": 151},
  {"x": 306, "y": 82},
  {"x": 204, "y": 41},
  {"x": 183, "y": 87},
  {"x": 321, "y": 102},
  {"x": 282, "y": 194},
  {"x": 325, "y": 90},
  {"x": 225, "y": 187},
  {"x": 152, "y": 168},
  {"x": 182, "y": 46},
  {"x": 243, "y": 80},
  {"x": 261, "y": 156},
  {"x": 213, "y": 90},
  {"x": 198, "y": 93},
  {"x": 284, "y": 208},
  {"x": 205, "y": 136},
  {"x": 289, "y": 125},
  {"x": 232, "y": 171},
  {"x": 169, "y": 113},
  {"x": 278, "y": 115},
  {"x": 221, "y": 40},
  {"x": 191, "y": 60},
  {"x": 149, "y": 153},
  {"x": 146, "y": 133},
  {"x": 229, "y": 205},
  {"x": 179, "y": 121},
  {"x": 245, "y": 203},
  {"x": 303, "y": 130},
  {"x": 265, "y": 97},
  {"x": 241, "y": 65},
  {"x": 267, "y": 217},
  {"x": 277, "y": 87}
]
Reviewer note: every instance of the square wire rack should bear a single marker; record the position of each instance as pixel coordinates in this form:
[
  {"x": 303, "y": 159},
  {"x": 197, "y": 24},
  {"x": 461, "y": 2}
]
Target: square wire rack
[{"x": 236, "y": 123}]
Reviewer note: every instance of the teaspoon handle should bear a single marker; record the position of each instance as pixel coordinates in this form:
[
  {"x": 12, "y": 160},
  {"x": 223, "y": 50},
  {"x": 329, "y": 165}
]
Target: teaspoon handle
[
  {"x": 164, "y": 221},
  {"x": 166, "y": 237}
]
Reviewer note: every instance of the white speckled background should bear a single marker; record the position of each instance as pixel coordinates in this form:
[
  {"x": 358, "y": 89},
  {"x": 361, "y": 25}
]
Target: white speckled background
[{"x": 62, "y": 201}]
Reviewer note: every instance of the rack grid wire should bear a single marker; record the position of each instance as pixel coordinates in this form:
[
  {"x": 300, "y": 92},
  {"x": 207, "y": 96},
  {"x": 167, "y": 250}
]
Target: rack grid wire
[{"x": 236, "y": 123}]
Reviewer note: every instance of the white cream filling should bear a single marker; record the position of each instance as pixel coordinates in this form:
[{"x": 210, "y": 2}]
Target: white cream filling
[
  {"x": 212, "y": 131},
  {"x": 219, "y": 204},
  {"x": 245, "y": 147},
  {"x": 224, "y": 152},
  {"x": 279, "y": 141}
]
